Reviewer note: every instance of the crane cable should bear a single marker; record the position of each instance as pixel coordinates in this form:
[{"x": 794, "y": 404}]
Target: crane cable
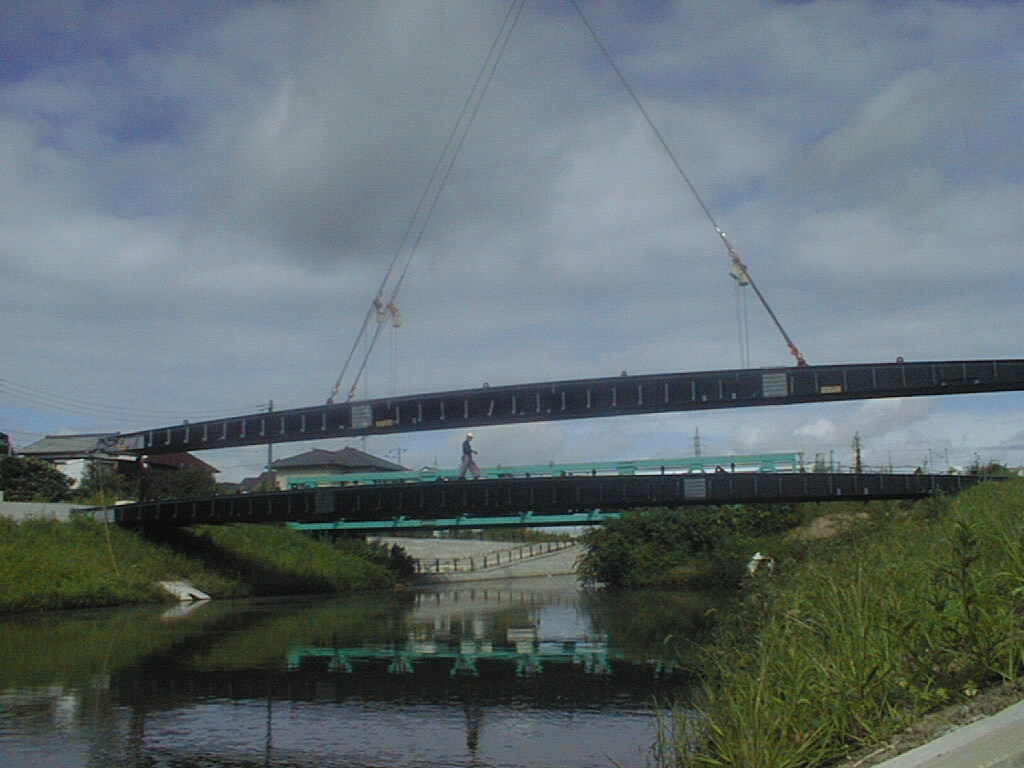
[
  {"x": 437, "y": 181},
  {"x": 742, "y": 324},
  {"x": 739, "y": 268}
]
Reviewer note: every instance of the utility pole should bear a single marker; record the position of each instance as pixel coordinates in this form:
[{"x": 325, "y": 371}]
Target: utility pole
[
  {"x": 857, "y": 467},
  {"x": 270, "y": 450}
]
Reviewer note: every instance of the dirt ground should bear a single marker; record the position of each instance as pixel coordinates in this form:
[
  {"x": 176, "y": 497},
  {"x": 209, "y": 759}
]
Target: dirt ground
[{"x": 938, "y": 724}]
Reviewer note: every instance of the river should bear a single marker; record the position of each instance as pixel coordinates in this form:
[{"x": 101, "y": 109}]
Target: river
[{"x": 527, "y": 672}]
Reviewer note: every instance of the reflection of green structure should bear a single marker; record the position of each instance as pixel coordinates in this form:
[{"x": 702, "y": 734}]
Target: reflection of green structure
[
  {"x": 529, "y": 655},
  {"x": 401, "y": 664},
  {"x": 340, "y": 662},
  {"x": 593, "y": 662},
  {"x": 465, "y": 662}
]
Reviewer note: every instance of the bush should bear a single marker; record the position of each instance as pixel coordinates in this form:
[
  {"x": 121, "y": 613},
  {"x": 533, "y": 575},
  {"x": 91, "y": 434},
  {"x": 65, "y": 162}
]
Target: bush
[
  {"x": 707, "y": 546},
  {"x": 866, "y": 634},
  {"x": 32, "y": 480},
  {"x": 102, "y": 484},
  {"x": 183, "y": 483}
]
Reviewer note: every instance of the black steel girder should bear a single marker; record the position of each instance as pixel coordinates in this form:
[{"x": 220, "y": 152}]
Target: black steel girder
[
  {"x": 517, "y": 496},
  {"x": 581, "y": 399}
]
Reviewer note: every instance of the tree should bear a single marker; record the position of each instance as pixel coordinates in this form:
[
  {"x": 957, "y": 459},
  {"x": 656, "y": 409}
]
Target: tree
[
  {"x": 267, "y": 482},
  {"x": 32, "y": 480},
  {"x": 184, "y": 483},
  {"x": 980, "y": 467},
  {"x": 707, "y": 545},
  {"x": 102, "y": 484}
]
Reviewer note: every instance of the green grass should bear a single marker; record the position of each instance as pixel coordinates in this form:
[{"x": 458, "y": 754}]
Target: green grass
[
  {"x": 860, "y": 635},
  {"x": 274, "y": 560},
  {"x": 47, "y": 565}
]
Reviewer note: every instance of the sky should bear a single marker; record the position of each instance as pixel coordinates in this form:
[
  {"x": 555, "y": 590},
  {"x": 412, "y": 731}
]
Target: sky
[{"x": 199, "y": 202}]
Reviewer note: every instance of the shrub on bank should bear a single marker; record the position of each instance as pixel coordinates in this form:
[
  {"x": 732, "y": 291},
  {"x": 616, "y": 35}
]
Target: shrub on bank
[
  {"x": 865, "y": 634},
  {"x": 47, "y": 565},
  {"x": 696, "y": 546}
]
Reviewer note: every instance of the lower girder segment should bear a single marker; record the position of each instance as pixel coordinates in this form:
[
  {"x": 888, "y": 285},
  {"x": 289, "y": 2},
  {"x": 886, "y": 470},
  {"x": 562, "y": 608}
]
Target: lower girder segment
[{"x": 518, "y": 498}]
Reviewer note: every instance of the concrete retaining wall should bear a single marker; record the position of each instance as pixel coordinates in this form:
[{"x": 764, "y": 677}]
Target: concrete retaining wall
[{"x": 27, "y": 510}]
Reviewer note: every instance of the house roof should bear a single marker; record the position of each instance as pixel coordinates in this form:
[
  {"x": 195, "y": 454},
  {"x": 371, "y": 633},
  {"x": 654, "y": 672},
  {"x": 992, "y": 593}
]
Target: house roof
[
  {"x": 345, "y": 460},
  {"x": 180, "y": 461},
  {"x": 66, "y": 446},
  {"x": 57, "y": 447},
  {"x": 250, "y": 484}
]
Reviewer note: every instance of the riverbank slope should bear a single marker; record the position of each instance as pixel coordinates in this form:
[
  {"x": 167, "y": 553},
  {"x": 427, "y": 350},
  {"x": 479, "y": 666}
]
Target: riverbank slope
[
  {"x": 859, "y": 636},
  {"x": 46, "y": 564}
]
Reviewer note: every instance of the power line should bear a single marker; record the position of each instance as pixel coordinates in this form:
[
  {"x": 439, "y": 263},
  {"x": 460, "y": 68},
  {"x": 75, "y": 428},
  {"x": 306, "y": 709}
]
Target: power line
[
  {"x": 733, "y": 253},
  {"x": 424, "y": 209},
  {"x": 83, "y": 407}
]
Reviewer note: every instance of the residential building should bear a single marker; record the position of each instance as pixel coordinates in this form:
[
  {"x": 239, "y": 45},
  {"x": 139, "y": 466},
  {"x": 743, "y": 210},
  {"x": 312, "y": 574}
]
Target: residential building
[
  {"x": 71, "y": 454},
  {"x": 314, "y": 465}
]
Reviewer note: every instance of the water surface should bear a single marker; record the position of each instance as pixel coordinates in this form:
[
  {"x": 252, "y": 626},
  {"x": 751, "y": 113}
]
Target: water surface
[{"x": 523, "y": 673}]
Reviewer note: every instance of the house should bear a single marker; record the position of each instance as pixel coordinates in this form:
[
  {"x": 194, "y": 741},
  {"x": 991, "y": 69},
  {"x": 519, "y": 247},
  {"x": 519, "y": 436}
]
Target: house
[
  {"x": 317, "y": 464},
  {"x": 71, "y": 454}
]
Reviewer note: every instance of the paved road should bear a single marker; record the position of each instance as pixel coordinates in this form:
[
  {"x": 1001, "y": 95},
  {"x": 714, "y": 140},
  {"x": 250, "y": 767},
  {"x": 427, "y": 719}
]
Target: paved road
[{"x": 993, "y": 742}]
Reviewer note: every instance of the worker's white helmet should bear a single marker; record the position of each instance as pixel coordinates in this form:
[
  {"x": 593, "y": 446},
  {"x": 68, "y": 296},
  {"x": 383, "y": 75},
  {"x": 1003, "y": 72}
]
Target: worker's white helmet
[{"x": 469, "y": 435}]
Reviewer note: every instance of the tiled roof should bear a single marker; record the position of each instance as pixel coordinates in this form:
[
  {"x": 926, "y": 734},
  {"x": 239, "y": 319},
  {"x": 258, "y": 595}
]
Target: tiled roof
[
  {"x": 65, "y": 446},
  {"x": 345, "y": 460},
  {"x": 249, "y": 484},
  {"x": 86, "y": 446},
  {"x": 180, "y": 461}
]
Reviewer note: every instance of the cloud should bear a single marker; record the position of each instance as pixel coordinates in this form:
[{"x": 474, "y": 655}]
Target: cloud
[
  {"x": 197, "y": 206},
  {"x": 878, "y": 418},
  {"x": 819, "y": 429}
]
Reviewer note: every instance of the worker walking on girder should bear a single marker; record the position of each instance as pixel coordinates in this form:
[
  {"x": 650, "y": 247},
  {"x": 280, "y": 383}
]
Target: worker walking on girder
[{"x": 468, "y": 464}]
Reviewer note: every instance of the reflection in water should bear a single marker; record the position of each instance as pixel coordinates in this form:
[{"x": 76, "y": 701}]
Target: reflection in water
[{"x": 533, "y": 673}]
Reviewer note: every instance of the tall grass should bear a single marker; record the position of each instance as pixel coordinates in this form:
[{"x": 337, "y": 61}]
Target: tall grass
[
  {"x": 856, "y": 637},
  {"x": 47, "y": 565},
  {"x": 274, "y": 560}
]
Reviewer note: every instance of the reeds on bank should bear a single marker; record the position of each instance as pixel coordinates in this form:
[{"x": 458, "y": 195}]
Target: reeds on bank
[{"x": 856, "y": 637}]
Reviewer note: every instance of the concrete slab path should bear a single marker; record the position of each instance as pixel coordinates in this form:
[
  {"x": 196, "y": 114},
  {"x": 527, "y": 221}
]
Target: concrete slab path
[
  {"x": 992, "y": 742},
  {"x": 561, "y": 562}
]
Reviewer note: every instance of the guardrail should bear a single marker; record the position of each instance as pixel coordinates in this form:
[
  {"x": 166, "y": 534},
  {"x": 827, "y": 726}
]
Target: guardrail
[{"x": 493, "y": 559}]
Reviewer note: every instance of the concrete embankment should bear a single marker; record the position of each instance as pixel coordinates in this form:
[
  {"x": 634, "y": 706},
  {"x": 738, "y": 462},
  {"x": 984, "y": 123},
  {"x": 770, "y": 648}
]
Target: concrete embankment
[
  {"x": 28, "y": 510},
  {"x": 992, "y": 742},
  {"x": 515, "y": 559}
]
